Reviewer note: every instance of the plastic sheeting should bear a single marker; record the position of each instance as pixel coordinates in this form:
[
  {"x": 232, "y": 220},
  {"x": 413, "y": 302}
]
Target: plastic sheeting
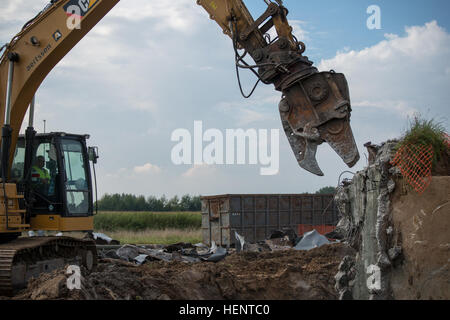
[
  {"x": 220, "y": 254},
  {"x": 311, "y": 240}
]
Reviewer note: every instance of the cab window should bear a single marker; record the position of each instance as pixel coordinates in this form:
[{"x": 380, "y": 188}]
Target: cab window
[
  {"x": 17, "y": 167},
  {"x": 77, "y": 191},
  {"x": 44, "y": 170}
]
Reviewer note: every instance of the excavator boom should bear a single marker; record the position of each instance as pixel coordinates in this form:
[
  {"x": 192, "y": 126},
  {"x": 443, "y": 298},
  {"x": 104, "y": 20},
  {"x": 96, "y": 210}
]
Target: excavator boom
[
  {"x": 34, "y": 52},
  {"x": 315, "y": 106}
]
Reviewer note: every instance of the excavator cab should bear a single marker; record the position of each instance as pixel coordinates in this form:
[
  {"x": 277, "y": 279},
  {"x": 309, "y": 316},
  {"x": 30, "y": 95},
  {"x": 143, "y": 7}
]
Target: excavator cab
[{"x": 57, "y": 183}]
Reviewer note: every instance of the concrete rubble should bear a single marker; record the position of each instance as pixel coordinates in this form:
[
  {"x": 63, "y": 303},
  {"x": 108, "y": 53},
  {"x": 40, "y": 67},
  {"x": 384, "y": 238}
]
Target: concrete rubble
[{"x": 364, "y": 205}]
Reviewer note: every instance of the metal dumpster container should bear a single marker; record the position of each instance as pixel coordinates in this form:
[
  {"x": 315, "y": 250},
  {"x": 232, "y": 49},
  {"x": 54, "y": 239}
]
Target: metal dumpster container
[{"x": 256, "y": 216}]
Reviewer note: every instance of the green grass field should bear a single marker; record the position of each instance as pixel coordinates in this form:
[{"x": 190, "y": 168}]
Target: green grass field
[{"x": 150, "y": 227}]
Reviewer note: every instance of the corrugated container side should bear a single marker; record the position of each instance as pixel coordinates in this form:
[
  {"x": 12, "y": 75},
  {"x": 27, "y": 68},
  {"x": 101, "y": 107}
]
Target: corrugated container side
[{"x": 256, "y": 216}]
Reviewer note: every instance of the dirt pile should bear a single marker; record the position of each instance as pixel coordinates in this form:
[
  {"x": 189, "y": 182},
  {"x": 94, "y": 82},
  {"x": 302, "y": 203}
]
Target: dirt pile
[
  {"x": 442, "y": 167},
  {"x": 422, "y": 223},
  {"x": 283, "y": 275}
]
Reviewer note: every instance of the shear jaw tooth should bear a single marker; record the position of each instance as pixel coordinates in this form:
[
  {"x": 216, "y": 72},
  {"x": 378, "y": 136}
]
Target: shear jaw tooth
[{"x": 309, "y": 161}]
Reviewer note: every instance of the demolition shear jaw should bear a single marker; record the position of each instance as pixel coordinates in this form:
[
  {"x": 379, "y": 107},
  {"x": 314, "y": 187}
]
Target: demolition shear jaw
[
  {"x": 305, "y": 138},
  {"x": 304, "y": 149}
]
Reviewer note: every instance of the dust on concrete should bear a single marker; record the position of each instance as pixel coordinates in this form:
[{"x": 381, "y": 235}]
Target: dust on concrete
[{"x": 286, "y": 275}]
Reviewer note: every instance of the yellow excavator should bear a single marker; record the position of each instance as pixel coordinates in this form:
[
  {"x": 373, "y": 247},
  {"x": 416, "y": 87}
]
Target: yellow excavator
[{"x": 46, "y": 179}]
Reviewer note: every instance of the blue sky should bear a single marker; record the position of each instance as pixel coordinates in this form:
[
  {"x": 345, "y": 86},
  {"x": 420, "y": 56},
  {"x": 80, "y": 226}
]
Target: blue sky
[
  {"x": 131, "y": 92},
  {"x": 335, "y": 25}
]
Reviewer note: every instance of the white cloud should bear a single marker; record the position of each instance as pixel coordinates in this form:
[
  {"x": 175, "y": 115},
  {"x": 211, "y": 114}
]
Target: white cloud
[
  {"x": 20, "y": 10},
  {"x": 104, "y": 30},
  {"x": 401, "y": 107},
  {"x": 200, "y": 171},
  {"x": 201, "y": 68},
  {"x": 122, "y": 172},
  {"x": 14, "y": 14},
  {"x": 297, "y": 30},
  {"x": 147, "y": 168},
  {"x": 179, "y": 15},
  {"x": 136, "y": 172},
  {"x": 401, "y": 74},
  {"x": 256, "y": 109}
]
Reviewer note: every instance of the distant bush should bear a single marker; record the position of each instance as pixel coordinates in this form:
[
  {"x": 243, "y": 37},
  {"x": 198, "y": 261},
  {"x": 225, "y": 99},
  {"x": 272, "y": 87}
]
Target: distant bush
[
  {"x": 140, "y": 221},
  {"x": 129, "y": 202}
]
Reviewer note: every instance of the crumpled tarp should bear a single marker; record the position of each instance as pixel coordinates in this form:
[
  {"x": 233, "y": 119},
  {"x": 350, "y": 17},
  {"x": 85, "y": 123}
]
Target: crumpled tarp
[
  {"x": 311, "y": 240},
  {"x": 219, "y": 254}
]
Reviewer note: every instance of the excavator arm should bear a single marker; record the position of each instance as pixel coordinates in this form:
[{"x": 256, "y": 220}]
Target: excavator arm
[
  {"x": 34, "y": 52},
  {"x": 315, "y": 106}
]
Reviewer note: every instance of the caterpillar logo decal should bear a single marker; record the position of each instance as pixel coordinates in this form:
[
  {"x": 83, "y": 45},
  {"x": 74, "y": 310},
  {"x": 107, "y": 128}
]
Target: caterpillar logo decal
[
  {"x": 57, "y": 35},
  {"x": 79, "y": 8}
]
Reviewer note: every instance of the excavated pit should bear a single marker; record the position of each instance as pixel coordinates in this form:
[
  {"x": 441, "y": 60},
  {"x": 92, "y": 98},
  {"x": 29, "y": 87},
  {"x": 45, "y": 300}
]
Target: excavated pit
[{"x": 284, "y": 274}]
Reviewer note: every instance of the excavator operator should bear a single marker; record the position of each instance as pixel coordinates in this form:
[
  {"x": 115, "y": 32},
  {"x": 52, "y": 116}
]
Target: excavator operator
[{"x": 39, "y": 174}]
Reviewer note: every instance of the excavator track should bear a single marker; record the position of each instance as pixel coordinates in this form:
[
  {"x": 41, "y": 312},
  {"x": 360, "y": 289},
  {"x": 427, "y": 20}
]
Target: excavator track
[{"x": 25, "y": 258}]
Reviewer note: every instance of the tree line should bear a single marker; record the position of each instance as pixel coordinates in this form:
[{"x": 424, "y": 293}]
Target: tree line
[
  {"x": 130, "y": 202},
  {"x": 327, "y": 190}
]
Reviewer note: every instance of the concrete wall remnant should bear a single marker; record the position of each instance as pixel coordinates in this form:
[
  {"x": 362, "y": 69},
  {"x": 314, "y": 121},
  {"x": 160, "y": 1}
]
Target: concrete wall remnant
[{"x": 378, "y": 219}]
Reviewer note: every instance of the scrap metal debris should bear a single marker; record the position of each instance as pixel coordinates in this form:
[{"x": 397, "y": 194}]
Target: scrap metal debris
[
  {"x": 182, "y": 252},
  {"x": 194, "y": 253},
  {"x": 283, "y": 240}
]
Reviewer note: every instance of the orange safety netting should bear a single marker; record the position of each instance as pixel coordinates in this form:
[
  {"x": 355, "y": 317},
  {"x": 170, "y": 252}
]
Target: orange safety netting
[{"x": 415, "y": 163}]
